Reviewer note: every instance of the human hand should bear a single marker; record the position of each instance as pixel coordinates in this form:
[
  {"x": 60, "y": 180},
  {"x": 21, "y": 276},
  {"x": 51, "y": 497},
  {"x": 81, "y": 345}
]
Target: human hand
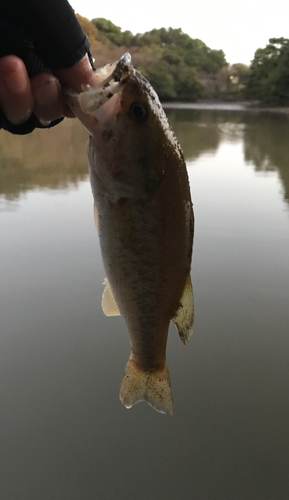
[
  {"x": 35, "y": 45},
  {"x": 41, "y": 95}
]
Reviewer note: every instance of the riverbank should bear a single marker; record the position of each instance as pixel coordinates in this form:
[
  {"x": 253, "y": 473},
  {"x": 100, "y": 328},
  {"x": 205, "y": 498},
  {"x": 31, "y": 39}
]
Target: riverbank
[{"x": 252, "y": 106}]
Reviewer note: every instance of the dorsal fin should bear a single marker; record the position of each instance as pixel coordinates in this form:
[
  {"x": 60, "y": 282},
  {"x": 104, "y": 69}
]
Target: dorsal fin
[
  {"x": 184, "y": 316},
  {"x": 108, "y": 303}
]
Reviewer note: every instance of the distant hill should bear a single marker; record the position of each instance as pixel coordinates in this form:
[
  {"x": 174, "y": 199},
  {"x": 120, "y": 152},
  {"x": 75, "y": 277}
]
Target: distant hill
[{"x": 179, "y": 67}]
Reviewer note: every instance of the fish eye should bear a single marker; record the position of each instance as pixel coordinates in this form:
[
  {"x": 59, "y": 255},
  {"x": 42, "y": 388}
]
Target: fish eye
[{"x": 138, "y": 111}]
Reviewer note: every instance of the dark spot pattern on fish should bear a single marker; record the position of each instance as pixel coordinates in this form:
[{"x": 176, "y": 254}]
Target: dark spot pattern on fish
[{"x": 107, "y": 134}]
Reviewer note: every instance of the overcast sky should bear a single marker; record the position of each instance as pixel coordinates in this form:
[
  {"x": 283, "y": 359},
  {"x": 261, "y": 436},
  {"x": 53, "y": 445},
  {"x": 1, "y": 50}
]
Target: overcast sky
[{"x": 238, "y": 28}]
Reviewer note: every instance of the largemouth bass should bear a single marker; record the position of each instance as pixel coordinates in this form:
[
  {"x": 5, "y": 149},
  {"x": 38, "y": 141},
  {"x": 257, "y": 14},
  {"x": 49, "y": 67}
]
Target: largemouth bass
[{"x": 145, "y": 222}]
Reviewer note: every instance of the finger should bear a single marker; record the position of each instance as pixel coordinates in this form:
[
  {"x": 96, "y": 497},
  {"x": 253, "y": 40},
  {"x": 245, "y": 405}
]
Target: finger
[
  {"x": 68, "y": 112},
  {"x": 46, "y": 116},
  {"x": 48, "y": 100},
  {"x": 16, "y": 97},
  {"x": 80, "y": 73}
]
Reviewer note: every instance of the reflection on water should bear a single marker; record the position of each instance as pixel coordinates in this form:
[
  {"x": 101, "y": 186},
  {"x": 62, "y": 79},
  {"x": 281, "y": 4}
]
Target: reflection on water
[
  {"x": 266, "y": 145},
  {"x": 55, "y": 158},
  {"x": 50, "y": 159},
  {"x": 63, "y": 433},
  {"x": 264, "y": 135}
]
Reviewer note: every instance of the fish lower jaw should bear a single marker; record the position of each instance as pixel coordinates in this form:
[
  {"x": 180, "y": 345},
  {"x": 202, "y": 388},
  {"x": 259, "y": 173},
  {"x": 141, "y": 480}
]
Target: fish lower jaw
[{"x": 91, "y": 99}]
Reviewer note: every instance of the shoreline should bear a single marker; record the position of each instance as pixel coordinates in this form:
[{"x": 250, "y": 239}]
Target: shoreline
[{"x": 249, "y": 106}]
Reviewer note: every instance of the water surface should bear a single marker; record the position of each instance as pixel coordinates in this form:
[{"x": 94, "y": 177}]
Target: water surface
[{"x": 64, "y": 435}]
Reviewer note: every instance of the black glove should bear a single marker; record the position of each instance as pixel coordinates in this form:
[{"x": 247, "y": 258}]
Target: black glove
[{"x": 47, "y": 36}]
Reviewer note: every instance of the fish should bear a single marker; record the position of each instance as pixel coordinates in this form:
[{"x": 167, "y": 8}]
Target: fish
[{"x": 145, "y": 220}]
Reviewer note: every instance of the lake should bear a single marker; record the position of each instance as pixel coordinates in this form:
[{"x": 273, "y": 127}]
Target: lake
[{"x": 64, "y": 435}]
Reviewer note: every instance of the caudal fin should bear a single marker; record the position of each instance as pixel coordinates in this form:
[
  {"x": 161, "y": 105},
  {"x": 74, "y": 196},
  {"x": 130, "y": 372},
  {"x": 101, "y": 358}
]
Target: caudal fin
[{"x": 153, "y": 387}]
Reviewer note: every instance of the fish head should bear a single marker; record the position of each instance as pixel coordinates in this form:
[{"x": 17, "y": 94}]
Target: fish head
[{"x": 131, "y": 140}]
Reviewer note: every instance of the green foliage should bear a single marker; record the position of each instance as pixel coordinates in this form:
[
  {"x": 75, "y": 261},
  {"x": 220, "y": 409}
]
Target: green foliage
[
  {"x": 187, "y": 84},
  {"x": 113, "y": 32},
  {"x": 170, "y": 59},
  {"x": 177, "y": 60},
  {"x": 241, "y": 72},
  {"x": 161, "y": 80},
  {"x": 171, "y": 82},
  {"x": 231, "y": 80},
  {"x": 213, "y": 60},
  {"x": 268, "y": 77},
  {"x": 185, "y": 68},
  {"x": 127, "y": 38},
  {"x": 180, "y": 47}
]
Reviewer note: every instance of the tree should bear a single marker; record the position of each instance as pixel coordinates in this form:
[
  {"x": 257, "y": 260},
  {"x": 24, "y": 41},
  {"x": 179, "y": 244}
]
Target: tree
[
  {"x": 161, "y": 80},
  {"x": 170, "y": 59},
  {"x": 240, "y": 72},
  {"x": 113, "y": 32},
  {"x": 89, "y": 29},
  {"x": 268, "y": 77},
  {"x": 187, "y": 84},
  {"x": 180, "y": 47}
]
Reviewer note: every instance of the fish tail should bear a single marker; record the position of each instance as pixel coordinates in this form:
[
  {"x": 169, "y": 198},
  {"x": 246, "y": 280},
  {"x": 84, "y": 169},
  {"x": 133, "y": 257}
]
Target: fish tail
[{"x": 153, "y": 387}]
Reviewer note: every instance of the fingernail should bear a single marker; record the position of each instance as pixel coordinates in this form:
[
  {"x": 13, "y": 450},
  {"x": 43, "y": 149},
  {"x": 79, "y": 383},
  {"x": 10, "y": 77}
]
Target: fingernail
[
  {"x": 24, "y": 116},
  {"x": 43, "y": 122},
  {"x": 18, "y": 118}
]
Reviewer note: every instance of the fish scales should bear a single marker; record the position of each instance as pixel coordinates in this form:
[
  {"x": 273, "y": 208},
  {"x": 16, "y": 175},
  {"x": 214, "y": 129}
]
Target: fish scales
[
  {"x": 145, "y": 223},
  {"x": 149, "y": 274}
]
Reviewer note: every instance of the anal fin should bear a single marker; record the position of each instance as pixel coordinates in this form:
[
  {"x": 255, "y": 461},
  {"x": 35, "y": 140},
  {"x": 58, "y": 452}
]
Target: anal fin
[
  {"x": 184, "y": 316},
  {"x": 108, "y": 303}
]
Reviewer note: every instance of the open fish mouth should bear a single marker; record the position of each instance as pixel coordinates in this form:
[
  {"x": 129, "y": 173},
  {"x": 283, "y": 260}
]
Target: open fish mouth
[{"x": 91, "y": 98}]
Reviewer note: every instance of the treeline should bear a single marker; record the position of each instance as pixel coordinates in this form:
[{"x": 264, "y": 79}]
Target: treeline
[
  {"x": 268, "y": 77},
  {"x": 171, "y": 60},
  {"x": 183, "y": 68}
]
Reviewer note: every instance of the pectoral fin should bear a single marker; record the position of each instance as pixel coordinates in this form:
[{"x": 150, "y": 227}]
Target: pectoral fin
[
  {"x": 184, "y": 316},
  {"x": 108, "y": 303}
]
